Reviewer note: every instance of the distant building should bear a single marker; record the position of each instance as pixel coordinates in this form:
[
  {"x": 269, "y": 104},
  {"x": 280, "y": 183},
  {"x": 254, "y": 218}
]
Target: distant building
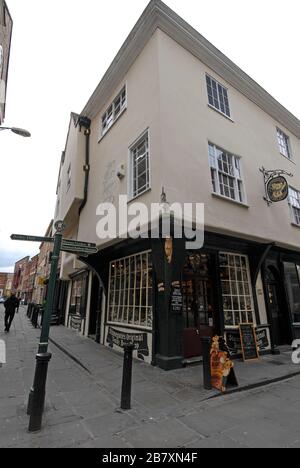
[
  {"x": 19, "y": 276},
  {"x": 9, "y": 282},
  {"x": 43, "y": 270},
  {"x": 3, "y": 280},
  {"x": 6, "y": 25},
  {"x": 29, "y": 279}
]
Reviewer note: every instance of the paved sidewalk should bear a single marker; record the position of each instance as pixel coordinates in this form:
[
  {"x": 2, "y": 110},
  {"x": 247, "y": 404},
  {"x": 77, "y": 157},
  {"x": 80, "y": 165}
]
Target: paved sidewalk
[{"x": 82, "y": 410}]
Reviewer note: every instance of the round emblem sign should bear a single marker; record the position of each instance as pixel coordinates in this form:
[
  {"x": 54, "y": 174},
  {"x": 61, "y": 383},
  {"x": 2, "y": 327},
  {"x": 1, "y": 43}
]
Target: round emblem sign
[{"x": 278, "y": 189}]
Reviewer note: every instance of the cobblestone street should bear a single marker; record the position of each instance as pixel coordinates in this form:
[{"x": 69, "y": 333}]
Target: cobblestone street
[{"x": 170, "y": 410}]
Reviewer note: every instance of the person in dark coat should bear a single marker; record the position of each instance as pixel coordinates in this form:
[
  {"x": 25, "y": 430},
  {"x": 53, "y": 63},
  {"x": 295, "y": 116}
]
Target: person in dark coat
[{"x": 11, "y": 305}]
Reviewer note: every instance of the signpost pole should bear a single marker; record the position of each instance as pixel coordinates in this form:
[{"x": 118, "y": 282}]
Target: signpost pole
[{"x": 37, "y": 394}]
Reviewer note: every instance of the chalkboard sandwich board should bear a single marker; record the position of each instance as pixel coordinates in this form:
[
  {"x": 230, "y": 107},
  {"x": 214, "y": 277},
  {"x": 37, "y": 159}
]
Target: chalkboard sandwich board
[{"x": 249, "y": 342}]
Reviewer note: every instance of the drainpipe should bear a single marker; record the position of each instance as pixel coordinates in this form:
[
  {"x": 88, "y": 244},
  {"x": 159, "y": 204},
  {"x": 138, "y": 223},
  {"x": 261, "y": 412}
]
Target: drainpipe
[{"x": 86, "y": 123}]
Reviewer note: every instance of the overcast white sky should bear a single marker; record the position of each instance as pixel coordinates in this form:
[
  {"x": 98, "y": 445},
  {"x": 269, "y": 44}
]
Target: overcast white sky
[{"x": 62, "y": 48}]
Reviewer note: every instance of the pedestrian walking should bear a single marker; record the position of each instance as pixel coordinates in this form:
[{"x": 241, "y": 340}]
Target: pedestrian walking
[{"x": 11, "y": 305}]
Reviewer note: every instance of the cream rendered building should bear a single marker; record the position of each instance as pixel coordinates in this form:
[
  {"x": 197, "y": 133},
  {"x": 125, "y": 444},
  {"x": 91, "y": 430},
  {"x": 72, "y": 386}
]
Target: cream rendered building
[
  {"x": 6, "y": 26},
  {"x": 173, "y": 115}
]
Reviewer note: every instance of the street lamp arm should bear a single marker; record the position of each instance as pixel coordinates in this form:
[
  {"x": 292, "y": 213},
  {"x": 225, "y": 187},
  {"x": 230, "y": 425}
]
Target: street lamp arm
[{"x": 18, "y": 131}]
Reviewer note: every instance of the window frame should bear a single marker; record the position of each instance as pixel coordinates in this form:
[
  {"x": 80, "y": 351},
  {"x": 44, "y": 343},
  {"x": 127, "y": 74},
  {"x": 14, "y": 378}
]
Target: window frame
[
  {"x": 149, "y": 309},
  {"x": 69, "y": 177},
  {"x": 294, "y": 216},
  {"x": 131, "y": 193},
  {"x": 287, "y": 148},
  {"x": 221, "y": 101},
  {"x": 238, "y": 295},
  {"x": 238, "y": 177},
  {"x": 111, "y": 110}
]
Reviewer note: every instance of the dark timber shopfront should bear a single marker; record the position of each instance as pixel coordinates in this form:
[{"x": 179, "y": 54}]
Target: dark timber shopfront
[{"x": 164, "y": 298}]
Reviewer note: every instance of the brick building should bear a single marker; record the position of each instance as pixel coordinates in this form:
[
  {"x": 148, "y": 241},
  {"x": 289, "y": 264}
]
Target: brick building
[
  {"x": 29, "y": 278},
  {"x": 19, "y": 276},
  {"x": 43, "y": 270},
  {"x": 3, "y": 281}
]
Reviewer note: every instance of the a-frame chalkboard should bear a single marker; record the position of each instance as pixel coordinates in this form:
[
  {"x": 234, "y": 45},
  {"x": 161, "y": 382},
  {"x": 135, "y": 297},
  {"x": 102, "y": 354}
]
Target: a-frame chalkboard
[{"x": 249, "y": 342}]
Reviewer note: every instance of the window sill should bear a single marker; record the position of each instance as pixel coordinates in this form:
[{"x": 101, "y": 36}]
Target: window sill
[
  {"x": 131, "y": 199},
  {"x": 287, "y": 158},
  {"x": 235, "y": 202},
  {"x": 296, "y": 225},
  {"x": 220, "y": 113},
  {"x": 113, "y": 124}
]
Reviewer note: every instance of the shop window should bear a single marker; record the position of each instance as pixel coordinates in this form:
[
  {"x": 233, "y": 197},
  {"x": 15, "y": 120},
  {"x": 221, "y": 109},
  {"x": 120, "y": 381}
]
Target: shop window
[
  {"x": 130, "y": 291},
  {"x": 238, "y": 304},
  {"x": 79, "y": 296},
  {"x": 292, "y": 273}
]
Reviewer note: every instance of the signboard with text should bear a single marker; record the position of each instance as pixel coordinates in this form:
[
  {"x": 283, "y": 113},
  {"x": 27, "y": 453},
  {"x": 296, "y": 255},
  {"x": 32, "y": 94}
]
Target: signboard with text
[{"x": 249, "y": 342}]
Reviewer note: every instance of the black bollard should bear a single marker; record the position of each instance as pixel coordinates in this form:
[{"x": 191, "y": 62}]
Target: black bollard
[
  {"x": 127, "y": 377},
  {"x": 38, "y": 393},
  {"x": 206, "y": 347}
]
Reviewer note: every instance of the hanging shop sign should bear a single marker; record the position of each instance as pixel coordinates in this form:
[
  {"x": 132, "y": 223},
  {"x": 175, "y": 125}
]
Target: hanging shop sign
[
  {"x": 278, "y": 189},
  {"x": 121, "y": 339},
  {"x": 249, "y": 342},
  {"x": 222, "y": 367},
  {"x": 276, "y": 185}
]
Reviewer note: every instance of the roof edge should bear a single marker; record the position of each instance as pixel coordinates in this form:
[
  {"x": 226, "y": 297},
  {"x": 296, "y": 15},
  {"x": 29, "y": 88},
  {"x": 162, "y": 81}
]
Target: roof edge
[{"x": 158, "y": 15}]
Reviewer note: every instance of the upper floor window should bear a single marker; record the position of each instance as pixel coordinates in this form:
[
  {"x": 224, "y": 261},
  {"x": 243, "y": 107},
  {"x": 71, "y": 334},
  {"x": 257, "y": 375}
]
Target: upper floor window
[
  {"x": 284, "y": 144},
  {"x": 114, "y": 110},
  {"x": 217, "y": 96},
  {"x": 140, "y": 166},
  {"x": 69, "y": 177},
  {"x": 294, "y": 201},
  {"x": 226, "y": 174}
]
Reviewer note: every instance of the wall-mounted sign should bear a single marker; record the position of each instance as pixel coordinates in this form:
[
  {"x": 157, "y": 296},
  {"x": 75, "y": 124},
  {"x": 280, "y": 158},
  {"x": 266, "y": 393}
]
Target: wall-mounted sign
[
  {"x": 120, "y": 339},
  {"x": 278, "y": 189}
]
